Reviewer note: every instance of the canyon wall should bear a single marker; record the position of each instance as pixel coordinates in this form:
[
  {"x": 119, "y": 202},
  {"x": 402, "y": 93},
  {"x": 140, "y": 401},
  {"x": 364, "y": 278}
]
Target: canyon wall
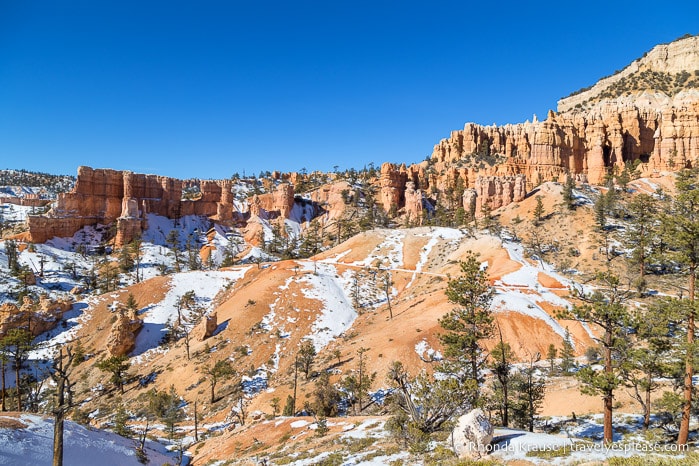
[
  {"x": 106, "y": 196},
  {"x": 588, "y": 144}
]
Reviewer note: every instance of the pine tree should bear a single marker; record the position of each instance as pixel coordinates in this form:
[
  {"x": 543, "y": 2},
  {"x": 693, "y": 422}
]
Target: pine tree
[
  {"x": 568, "y": 197},
  {"x": 174, "y": 242},
  {"x": 136, "y": 248},
  {"x": 649, "y": 357},
  {"x": 641, "y": 232},
  {"x": 422, "y": 405},
  {"x": 220, "y": 370},
  {"x": 551, "y": 355},
  {"x": 467, "y": 324},
  {"x": 326, "y": 398},
  {"x": 357, "y": 384},
  {"x": 681, "y": 234},
  {"x": 538, "y": 211},
  {"x": 529, "y": 391},
  {"x": 12, "y": 256},
  {"x": 166, "y": 406},
  {"x": 501, "y": 366},
  {"x": 18, "y": 342},
  {"x": 567, "y": 353},
  {"x": 306, "y": 357},
  {"x": 607, "y": 310},
  {"x": 117, "y": 366}
]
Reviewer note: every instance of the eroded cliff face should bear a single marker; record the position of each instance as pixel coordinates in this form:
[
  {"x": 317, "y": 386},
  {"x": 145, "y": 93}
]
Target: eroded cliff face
[
  {"x": 107, "y": 196},
  {"x": 586, "y": 144}
]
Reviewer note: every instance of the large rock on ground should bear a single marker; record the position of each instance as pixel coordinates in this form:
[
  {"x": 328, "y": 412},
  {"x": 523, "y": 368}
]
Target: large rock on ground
[
  {"x": 122, "y": 337},
  {"x": 472, "y": 435}
]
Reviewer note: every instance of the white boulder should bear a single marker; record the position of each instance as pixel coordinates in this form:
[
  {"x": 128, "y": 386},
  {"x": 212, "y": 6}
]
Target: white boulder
[{"x": 472, "y": 435}]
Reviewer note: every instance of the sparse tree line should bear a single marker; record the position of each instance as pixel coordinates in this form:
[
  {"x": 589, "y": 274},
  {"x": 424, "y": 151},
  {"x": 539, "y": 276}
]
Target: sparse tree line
[{"x": 645, "y": 337}]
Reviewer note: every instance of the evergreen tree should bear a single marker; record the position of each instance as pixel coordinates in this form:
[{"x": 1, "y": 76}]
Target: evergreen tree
[
  {"x": 220, "y": 370},
  {"x": 189, "y": 313},
  {"x": 167, "y": 407},
  {"x": 529, "y": 391},
  {"x": 422, "y": 405},
  {"x": 136, "y": 248},
  {"x": 606, "y": 309},
  {"x": 326, "y": 397},
  {"x": 289, "y": 406},
  {"x": 551, "y": 355},
  {"x": 681, "y": 234},
  {"x": 117, "y": 366},
  {"x": 306, "y": 357},
  {"x": 193, "y": 257},
  {"x": 538, "y": 211},
  {"x": 568, "y": 197},
  {"x": 174, "y": 243},
  {"x": 641, "y": 232},
  {"x": 126, "y": 262},
  {"x": 567, "y": 353},
  {"x": 12, "y": 256},
  {"x": 501, "y": 366},
  {"x": 357, "y": 384},
  {"x": 649, "y": 357},
  {"x": 467, "y": 324},
  {"x": 18, "y": 343}
]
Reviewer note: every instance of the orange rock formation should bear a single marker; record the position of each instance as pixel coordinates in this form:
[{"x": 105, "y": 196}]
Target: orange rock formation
[{"x": 106, "y": 196}]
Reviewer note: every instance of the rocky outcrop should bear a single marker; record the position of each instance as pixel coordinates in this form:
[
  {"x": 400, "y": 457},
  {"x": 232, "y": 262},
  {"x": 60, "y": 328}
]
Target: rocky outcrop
[
  {"x": 107, "y": 196},
  {"x": 331, "y": 199},
  {"x": 36, "y": 316},
  {"x": 633, "y": 116},
  {"x": 495, "y": 192},
  {"x": 122, "y": 336},
  {"x": 673, "y": 58},
  {"x": 207, "y": 327},
  {"x": 413, "y": 203},
  {"x": 273, "y": 205},
  {"x": 581, "y": 143},
  {"x": 472, "y": 435},
  {"x": 392, "y": 186},
  {"x": 29, "y": 200}
]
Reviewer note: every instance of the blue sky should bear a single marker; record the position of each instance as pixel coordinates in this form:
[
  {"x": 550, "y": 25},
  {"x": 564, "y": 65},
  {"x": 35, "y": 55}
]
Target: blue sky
[{"x": 205, "y": 89}]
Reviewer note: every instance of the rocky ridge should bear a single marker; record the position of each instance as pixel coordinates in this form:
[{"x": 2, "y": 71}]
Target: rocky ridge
[{"x": 106, "y": 196}]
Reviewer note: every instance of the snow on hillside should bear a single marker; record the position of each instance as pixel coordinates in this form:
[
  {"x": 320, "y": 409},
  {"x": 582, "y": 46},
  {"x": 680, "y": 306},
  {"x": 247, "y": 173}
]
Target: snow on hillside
[
  {"x": 389, "y": 252},
  {"x": 15, "y": 213},
  {"x": 21, "y": 191},
  {"x": 205, "y": 284},
  {"x": 301, "y": 213},
  {"x": 520, "y": 291},
  {"x": 338, "y": 314},
  {"x": 32, "y": 445},
  {"x": 435, "y": 235}
]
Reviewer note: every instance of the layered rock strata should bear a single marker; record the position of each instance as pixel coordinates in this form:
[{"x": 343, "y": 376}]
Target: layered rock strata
[
  {"x": 581, "y": 143},
  {"x": 106, "y": 196}
]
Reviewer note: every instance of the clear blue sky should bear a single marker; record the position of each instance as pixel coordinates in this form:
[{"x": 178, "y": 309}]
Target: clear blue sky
[{"x": 208, "y": 88}]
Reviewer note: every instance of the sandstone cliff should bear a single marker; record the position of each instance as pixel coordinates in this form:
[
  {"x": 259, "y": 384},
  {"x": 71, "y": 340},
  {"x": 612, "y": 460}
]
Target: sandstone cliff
[
  {"x": 634, "y": 116},
  {"x": 107, "y": 196}
]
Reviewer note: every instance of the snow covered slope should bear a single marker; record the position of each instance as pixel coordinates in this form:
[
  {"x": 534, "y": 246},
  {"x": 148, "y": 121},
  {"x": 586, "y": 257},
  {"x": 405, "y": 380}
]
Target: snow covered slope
[{"x": 27, "y": 440}]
